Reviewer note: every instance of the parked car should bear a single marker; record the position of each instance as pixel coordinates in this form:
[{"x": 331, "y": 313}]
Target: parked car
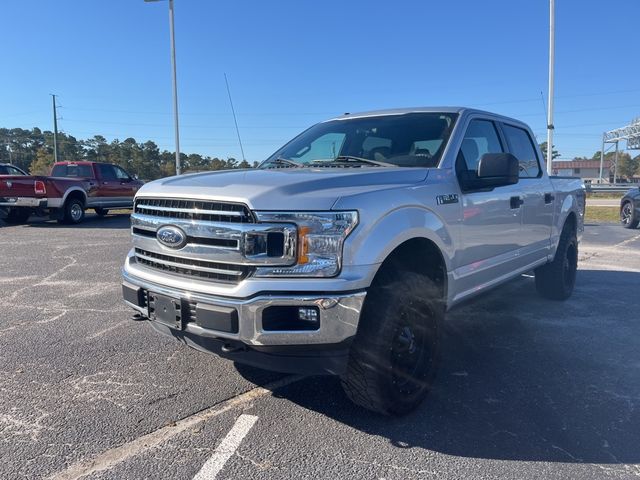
[
  {"x": 341, "y": 253},
  {"x": 630, "y": 208},
  {"x": 9, "y": 169},
  {"x": 72, "y": 188}
]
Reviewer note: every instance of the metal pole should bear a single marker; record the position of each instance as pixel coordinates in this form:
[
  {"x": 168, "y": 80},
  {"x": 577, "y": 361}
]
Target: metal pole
[
  {"x": 552, "y": 41},
  {"x": 55, "y": 130},
  {"x": 175, "y": 87},
  {"x": 601, "y": 159},
  {"x": 615, "y": 166}
]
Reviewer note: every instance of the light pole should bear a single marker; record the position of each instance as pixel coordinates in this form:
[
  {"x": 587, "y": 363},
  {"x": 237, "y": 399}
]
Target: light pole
[
  {"x": 552, "y": 48},
  {"x": 175, "y": 84}
]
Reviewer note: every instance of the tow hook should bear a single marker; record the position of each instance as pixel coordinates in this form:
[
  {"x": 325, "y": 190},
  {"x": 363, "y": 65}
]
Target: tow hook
[
  {"x": 230, "y": 348},
  {"x": 138, "y": 317}
]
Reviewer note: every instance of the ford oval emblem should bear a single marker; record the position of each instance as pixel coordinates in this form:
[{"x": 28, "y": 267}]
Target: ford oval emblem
[{"x": 172, "y": 237}]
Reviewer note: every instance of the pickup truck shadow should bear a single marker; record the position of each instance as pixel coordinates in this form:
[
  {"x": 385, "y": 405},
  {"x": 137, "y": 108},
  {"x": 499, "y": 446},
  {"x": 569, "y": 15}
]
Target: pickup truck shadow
[
  {"x": 91, "y": 220},
  {"x": 522, "y": 378}
]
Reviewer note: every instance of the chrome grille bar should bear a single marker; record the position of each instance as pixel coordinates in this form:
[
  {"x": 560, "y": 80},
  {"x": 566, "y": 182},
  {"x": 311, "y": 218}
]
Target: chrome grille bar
[
  {"x": 190, "y": 210},
  {"x": 184, "y": 263}
]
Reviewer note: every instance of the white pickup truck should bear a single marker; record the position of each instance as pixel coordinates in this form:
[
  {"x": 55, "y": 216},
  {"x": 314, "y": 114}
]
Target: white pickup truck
[{"x": 342, "y": 252}]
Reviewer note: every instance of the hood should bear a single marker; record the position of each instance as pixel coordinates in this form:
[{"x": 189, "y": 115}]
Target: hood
[{"x": 285, "y": 188}]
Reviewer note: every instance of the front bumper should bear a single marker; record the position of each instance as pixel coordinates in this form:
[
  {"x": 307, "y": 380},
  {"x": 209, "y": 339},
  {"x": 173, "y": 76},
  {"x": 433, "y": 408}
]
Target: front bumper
[
  {"x": 325, "y": 348},
  {"x": 23, "y": 202}
]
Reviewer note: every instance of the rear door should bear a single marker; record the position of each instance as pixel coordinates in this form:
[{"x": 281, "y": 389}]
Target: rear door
[
  {"x": 491, "y": 220},
  {"x": 537, "y": 197}
]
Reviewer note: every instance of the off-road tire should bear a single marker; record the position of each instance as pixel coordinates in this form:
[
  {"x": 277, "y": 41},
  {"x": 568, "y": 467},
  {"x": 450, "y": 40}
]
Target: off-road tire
[
  {"x": 628, "y": 217},
  {"x": 557, "y": 279},
  {"x": 17, "y": 216},
  {"x": 101, "y": 212},
  {"x": 73, "y": 212},
  {"x": 402, "y": 314}
]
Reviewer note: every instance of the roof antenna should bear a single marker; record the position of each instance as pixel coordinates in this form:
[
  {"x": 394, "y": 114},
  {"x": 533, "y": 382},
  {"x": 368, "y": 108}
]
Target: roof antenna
[{"x": 234, "y": 117}]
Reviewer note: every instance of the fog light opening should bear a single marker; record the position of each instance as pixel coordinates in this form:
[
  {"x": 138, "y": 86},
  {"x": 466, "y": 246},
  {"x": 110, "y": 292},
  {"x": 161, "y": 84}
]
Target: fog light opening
[
  {"x": 308, "y": 314},
  {"x": 281, "y": 318}
]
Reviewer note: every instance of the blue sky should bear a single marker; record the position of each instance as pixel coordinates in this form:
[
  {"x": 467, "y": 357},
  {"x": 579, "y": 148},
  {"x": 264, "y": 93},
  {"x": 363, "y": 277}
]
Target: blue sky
[{"x": 293, "y": 63}]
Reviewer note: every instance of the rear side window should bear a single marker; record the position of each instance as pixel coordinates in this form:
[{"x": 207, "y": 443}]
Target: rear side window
[
  {"x": 72, "y": 170},
  {"x": 481, "y": 137},
  {"x": 522, "y": 148}
]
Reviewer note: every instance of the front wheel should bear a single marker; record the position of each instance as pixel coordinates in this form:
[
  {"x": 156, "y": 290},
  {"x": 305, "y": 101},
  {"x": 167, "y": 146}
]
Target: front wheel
[
  {"x": 628, "y": 217},
  {"x": 394, "y": 356},
  {"x": 557, "y": 279}
]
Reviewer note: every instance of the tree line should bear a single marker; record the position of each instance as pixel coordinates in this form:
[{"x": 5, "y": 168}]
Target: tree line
[{"x": 32, "y": 150}]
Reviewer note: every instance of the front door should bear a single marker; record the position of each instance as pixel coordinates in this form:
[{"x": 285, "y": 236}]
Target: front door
[{"x": 490, "y": 227}]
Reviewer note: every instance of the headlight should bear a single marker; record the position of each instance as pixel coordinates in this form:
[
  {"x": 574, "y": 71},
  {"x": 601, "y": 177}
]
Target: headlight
[{"x": 320, "y": 239}]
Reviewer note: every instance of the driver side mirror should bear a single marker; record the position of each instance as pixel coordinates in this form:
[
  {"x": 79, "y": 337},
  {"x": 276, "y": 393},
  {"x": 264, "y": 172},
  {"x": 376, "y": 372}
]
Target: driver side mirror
[{"x": 494, "y": 170}]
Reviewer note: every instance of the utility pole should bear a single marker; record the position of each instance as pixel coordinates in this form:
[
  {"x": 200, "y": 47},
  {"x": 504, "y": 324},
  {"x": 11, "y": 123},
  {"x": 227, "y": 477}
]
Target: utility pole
[
  {"x": 175, "y": 84},
  {"x": 55, "y": 129},
  {"x": 175, "y": 88},
  {"x": 552, "y": 46}
]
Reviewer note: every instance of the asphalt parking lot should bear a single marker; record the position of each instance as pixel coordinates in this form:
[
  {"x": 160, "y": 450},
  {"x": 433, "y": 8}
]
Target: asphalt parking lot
[{"x": 528, "y": 388}]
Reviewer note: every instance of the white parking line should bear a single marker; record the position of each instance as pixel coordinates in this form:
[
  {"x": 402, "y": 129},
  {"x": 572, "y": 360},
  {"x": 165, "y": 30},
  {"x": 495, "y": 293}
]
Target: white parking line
[
  {"x": 110, "y": 458},
  {"x": 227, "y": 447}
]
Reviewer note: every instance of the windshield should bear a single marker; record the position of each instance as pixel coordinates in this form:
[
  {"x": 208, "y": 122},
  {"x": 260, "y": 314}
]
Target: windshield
[{"x": 406, "y": 140}]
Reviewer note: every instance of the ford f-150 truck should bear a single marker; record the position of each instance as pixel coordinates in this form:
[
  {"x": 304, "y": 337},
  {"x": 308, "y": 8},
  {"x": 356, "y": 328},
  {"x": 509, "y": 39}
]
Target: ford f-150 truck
[
  {"x": 341, "y": 253},
  {"x": 71, "y": 188}
]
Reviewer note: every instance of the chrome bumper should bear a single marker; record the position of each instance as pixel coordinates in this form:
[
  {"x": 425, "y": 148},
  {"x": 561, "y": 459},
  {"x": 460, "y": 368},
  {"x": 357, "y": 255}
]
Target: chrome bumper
[
  {"x": 23, "y": 202},
  {"x": 339, "y": 315}
]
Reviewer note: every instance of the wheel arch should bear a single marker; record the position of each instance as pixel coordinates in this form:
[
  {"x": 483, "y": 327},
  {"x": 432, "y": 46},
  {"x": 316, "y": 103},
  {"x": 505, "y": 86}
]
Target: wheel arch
[
  {"x": 75, "y": 193},
  {"x": 417, "y": 255}
]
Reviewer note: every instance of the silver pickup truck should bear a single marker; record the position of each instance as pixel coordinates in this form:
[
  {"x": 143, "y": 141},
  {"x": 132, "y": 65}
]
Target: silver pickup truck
[{"x": 341, "y": 253}]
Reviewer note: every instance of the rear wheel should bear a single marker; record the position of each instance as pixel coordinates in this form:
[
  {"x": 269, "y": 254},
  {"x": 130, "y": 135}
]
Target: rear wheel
[
  {"x": 394, "y": 356},
  {"x": 628, "y": 217},
  {"x": 557, "y": 279},
  {"x": 17, "y": 216},
  {"x": 73, "y": 211},
  {"x": 101, "y": 211}
]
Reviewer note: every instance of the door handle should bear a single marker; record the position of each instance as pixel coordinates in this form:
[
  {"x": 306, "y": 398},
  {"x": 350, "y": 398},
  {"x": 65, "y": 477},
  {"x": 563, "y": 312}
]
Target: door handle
[
  {"x": 548, "y": 198},
  {"x": 516, "y": 202}
]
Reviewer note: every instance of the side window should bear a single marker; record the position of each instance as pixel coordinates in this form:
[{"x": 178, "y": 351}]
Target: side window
[
  {"x": 522, "y": 148},
  {"x": 121, "y": 174},
  {"x": 481, "y": 137},
  {"x": 326, "y": 147},
  {"x": 107, "y": 172}
]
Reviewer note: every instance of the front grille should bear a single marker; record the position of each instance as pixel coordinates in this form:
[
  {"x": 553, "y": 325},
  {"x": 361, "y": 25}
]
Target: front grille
[
  {"x": 194, "y": 210},
  {"x": 219, "y": 272}
]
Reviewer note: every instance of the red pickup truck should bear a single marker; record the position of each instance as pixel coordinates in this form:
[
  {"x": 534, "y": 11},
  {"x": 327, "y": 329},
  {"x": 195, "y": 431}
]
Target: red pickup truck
[{"x": 72, "y": 188}]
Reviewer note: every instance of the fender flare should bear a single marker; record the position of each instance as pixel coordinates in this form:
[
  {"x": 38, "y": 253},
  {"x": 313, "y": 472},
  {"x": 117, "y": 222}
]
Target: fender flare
[
  {"x": 71, "y": 190},
  {"x": 377, "y": 241}
]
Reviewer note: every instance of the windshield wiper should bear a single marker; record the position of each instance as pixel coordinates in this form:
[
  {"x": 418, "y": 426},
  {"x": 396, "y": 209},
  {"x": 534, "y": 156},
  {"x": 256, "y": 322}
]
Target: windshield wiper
[
  {"x": 284, "y": 161},
  {"x": 350, "y": 158}
]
